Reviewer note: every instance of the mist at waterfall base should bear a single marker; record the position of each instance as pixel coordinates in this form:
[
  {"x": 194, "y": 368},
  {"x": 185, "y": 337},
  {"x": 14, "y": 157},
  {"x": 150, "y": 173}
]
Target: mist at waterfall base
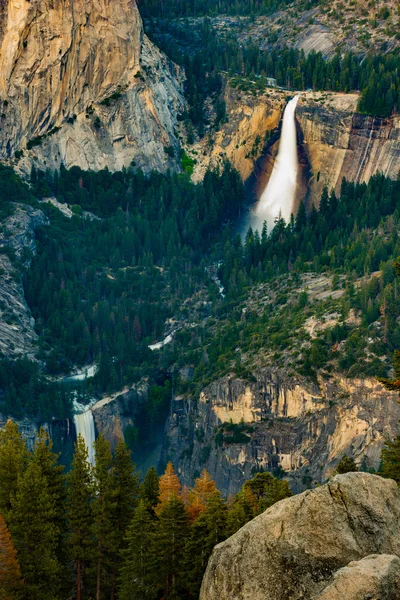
[
  {"x": 278, "y": 196},
  {"x": 84, "y": 425}
]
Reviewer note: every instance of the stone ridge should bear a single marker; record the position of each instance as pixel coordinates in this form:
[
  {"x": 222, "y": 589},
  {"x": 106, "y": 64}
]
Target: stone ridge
[{"x": 81, "y": 84}]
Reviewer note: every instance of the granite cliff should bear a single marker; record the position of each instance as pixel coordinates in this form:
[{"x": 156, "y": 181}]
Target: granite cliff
[
  {"x": 17, "y": 246},
  {"x": 288, "y": 423},
  {"x": 81, "y": 84},
  {"x": 334, "y": 141}
]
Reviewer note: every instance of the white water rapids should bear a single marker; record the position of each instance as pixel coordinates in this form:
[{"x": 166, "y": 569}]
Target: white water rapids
[
  {"x": 84, "y": 425},
  {"x": 277, "y": 198}
]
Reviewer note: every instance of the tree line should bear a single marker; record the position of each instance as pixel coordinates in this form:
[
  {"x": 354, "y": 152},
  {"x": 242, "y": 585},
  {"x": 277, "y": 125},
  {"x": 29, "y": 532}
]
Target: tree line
[
  {"x": 98, "y": 532},
  {"x": 208, "y": 56}
]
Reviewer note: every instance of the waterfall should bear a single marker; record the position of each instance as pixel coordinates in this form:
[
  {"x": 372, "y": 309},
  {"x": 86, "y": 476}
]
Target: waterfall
[
  {"x": 84, "y": 425},
  {"x": 278, "y": 196}
]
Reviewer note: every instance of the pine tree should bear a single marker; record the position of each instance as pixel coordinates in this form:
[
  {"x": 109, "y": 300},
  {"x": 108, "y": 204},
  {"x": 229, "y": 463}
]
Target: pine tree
[
  {"x": 53, "y": 472},
  {"x": 209, "y": 529},
  {"x": 266, "y": 490},
  {"x": 169, "y": 546},
  {"x": 126, "y": 482},
  {"x": 390, "y": 457},
  {"x": 346, "y": 465},
  {"x": 13, "y": 462},
  {"x": 10, "y": 572},
  {"x": 104, "y": 506},
  {"x": 150, "y": 488},
  {"x": 80, "y": 492},
  {"x": 35, "y": 535},
  {"x": 137, "y": 577}
]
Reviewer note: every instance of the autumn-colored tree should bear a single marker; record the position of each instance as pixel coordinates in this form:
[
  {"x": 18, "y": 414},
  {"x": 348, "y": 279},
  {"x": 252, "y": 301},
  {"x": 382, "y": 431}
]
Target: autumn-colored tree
[
  {"x": 170, "y": 487},
  {"x": 199, "y": 495},
  {"x": 10, "y": 573}
]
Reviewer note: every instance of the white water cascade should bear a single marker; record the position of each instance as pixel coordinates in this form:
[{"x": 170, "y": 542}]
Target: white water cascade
[
  {"x": 84, "y": 425},
  {"x": 278, "y": 196}
]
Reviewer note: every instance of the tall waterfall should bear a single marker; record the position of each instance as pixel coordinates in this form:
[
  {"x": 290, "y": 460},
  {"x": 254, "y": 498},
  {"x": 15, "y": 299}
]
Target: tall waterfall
[
  {"x": 84, "y": 425},
  {"x": 278, "y": 196}
]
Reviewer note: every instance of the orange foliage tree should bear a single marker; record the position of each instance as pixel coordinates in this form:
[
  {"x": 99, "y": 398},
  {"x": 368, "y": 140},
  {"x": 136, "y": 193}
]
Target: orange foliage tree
[
  {"x": 170, "y": 487},
  {"x": 10, "y": 574},
  {"x": 200, "y": 494}
]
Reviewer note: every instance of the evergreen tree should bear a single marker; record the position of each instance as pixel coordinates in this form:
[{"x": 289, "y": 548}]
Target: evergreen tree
[
  {"x": 390, "y": 460},
  {"x": 53, "y": 472},
  {"x": 13, "y": 462},
  {"x": 137, "y": 576},
  {"x": 35, "y": 535},
  {"x": 266, "y": 490},
  {"x": 10, "y": 572},
  {"x": 208, "y": 530},
  {"x": 169, "y": 546},
  {"x": 126, "y": 482},
  {"x": 80, "y": 491},
  {"x": 346, "y": 465},
  {"x": 150, "y": 488},
  {"x": 104, "y": 506}
]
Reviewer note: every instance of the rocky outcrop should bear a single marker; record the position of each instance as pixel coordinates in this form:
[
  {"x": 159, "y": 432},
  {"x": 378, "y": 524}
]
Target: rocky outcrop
[
  {"x": 291, "y": 423},
  {"x": 113, "y": 414},
  {"x": 334, "y": 141},
  {"x": 293, "y": 550},
  {"x": 376, "y": 576},
  {"x": 81, "y": 84},
  {"x": 340, "y": 143},
  {"x": 17, "y": 246}
]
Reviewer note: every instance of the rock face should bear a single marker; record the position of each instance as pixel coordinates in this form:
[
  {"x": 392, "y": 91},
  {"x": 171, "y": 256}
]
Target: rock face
[
  {"x": 334, "y": 141},
  {"x": 17, "y": 334},
  {"x": 340, "y": 143},
  {"x": 292, "y": 423},
  {"x": 113, "y": 414},
  {"x": 291, "y": 551},
  {"x": 376, "y": 576},
  {"x": 81, "y": 82}
]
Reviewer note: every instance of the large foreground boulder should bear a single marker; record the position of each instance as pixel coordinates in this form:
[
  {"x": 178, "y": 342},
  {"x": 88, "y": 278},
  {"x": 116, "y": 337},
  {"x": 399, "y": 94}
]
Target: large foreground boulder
[
  {"x": 291, "y": 551},
  {"x": 376, "y": 577}
]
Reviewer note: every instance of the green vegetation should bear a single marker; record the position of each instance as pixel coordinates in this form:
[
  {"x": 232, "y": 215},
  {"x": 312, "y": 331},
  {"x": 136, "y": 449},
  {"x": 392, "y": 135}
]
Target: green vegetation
[
  {"x": 102, "y": 535},
  {"x": 198, "y": 8}
]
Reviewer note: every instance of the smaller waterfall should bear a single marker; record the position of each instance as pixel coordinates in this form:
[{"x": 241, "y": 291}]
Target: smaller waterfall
[
  {"x": 84, "y": 425},
  {"x": 278, "y": 196}
]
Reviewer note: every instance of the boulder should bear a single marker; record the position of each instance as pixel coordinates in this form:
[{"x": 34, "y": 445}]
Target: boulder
[
  {"x": 292, "y": 550},
  {"x": 375, "y": 577}
]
